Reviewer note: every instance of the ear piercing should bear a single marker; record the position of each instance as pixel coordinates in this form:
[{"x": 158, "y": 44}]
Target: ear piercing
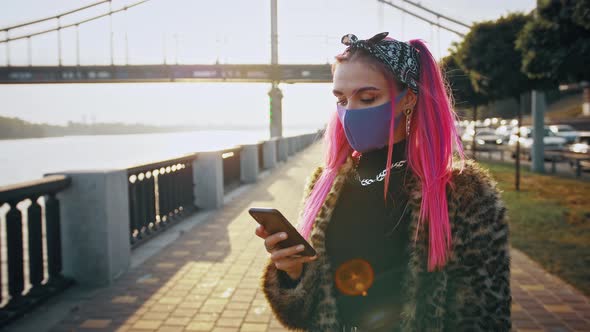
[{"x": 408, "y": 112}]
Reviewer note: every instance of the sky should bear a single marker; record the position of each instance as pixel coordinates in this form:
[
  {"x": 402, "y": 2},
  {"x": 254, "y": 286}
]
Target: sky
[{"x": 200, "y": 32}]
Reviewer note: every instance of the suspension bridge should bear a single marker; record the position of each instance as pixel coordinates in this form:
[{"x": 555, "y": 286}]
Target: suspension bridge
[
  {"x": 273, "y": 73},
  {"x": 79, "y": 73}
]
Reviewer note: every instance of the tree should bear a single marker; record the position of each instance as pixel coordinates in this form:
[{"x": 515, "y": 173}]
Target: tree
[
  {"x": 461, "y": 88},
  {"x": 581, "y": 14},
  {"x": 555, "y": 45},
  {"x": 464, "y": 93},
  {"x": 488, "y": 54}
]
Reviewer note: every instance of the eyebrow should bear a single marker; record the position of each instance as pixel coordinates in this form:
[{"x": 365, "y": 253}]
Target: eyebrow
[{"x": 365, "y": 88}]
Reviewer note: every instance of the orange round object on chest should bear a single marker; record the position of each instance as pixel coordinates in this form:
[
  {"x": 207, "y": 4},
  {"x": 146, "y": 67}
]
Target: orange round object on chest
[{"x": 354, "y": 277}]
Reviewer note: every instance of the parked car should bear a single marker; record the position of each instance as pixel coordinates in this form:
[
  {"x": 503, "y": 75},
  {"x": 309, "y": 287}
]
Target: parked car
[
  {"x": 460, "y": 128},
  {"x": 566, "y": 131},
  {"x": 581, "y": 148},
  {"x": 485, "y": 139},
  {"x": 504, "y": 131},
  {"x": 551, "y": 141}
]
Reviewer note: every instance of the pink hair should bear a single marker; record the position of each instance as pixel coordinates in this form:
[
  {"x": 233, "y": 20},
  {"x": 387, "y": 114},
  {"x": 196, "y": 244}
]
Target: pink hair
[{"x": 430, "y": 144}]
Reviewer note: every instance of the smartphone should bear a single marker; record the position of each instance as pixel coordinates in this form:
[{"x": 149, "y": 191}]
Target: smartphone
[{"x": 273, "y": 221}]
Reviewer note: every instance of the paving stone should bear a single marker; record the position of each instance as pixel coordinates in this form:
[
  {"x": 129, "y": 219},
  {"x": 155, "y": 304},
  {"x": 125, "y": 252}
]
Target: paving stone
[
  {"x": 252, "y": 327},
  {"x": 95, "y": 324},
  {"x": 147, "y": 324}
]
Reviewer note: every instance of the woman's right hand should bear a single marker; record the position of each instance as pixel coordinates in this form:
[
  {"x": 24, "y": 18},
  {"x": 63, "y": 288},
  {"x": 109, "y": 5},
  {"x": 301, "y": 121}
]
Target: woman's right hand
[{"x": 283, "y": 258}]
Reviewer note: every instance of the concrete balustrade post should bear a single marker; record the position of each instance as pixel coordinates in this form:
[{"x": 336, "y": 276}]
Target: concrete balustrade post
[
  {"x": 291, "y": 145},
  {"x": 208, "y": 180},
  {"x": 283, "y": 149},
  {"x": 95, "y": 226},
  {"x": 249, "y": 163},
  {"x": 270, "y": 153}
]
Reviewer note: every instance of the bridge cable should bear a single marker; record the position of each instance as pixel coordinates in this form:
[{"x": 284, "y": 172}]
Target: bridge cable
[
  {"x": 74, "y": 24},
  {"x": 423, "y": 18},
  {"x": 450, "y": 19},
  {"x": 53, "y": 17}
]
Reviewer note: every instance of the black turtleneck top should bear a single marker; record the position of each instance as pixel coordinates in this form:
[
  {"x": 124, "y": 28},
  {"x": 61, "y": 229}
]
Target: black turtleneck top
[{"x": 363, "y": 226}]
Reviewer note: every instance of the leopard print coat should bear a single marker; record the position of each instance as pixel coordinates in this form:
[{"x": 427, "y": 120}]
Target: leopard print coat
[{"x": 471, "y": 293}]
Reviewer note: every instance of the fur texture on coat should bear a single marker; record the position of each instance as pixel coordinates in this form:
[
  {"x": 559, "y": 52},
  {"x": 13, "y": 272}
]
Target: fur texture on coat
[{"x": 471, "y": 293}]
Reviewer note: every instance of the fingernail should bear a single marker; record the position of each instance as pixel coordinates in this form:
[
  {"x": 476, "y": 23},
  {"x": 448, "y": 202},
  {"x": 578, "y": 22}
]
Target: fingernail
[
  {"x": 300, "y": 247},
  {"x": 283, "y": 235}
]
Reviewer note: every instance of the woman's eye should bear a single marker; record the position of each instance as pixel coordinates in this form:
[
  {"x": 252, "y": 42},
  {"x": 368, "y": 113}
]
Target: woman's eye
[{"x": 365, "y": 101}]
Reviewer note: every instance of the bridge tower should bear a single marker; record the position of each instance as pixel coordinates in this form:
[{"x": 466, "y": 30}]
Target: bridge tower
[
  {"x": 276, "y": 111},
  {"x": 275, "y": 94}
]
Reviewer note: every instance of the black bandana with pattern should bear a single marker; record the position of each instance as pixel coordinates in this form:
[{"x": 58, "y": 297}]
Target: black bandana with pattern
[{"x": 401, "y": 58}]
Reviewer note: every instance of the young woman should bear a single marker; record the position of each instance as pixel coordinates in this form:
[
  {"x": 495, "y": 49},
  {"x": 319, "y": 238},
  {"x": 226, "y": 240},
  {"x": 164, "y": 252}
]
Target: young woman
[{"x": 410, "y": 235}]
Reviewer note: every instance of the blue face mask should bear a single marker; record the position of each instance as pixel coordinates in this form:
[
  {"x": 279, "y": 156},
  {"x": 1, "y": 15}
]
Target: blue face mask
[{"x": 368, "y": 128}]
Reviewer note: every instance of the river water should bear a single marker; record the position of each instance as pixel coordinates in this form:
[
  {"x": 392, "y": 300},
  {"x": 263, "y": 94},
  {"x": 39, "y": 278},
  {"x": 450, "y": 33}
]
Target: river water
[{"x": 28, "y": 159}]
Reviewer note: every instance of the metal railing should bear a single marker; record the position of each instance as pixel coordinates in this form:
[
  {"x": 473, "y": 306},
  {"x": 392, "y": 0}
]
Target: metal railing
[
  {"x": 578, "y": 161},
  {"x": 32, "y": 271},
  {"x": 159, "y": 194}
]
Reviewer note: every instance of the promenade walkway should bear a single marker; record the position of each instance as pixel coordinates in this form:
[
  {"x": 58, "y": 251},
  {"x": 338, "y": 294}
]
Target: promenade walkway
[{"x": 208, "y": 279}]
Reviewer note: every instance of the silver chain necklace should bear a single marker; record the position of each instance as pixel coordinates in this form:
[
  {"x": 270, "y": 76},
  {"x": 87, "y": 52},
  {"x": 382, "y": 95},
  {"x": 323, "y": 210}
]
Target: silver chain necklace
[{"x": 380, "y": 176}]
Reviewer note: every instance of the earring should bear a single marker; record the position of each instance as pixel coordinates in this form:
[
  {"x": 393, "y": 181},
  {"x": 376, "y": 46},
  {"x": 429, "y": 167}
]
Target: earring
[{"x": 408, "y": 112}]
